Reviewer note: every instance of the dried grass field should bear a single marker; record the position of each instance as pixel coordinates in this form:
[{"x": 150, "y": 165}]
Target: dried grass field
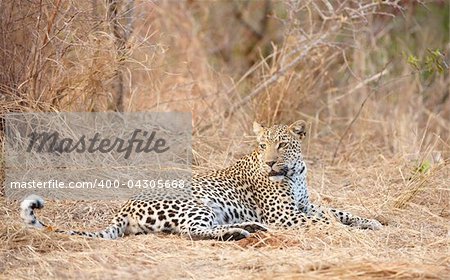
[{"x": 371, "y": 79}]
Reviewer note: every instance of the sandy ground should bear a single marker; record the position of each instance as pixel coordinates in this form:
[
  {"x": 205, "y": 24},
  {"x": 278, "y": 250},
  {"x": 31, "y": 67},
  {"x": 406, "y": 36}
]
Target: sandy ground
[{"x": 412, "y": 245}]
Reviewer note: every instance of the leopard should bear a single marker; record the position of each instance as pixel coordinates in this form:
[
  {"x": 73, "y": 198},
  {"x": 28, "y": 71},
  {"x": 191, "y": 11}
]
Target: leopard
[{"x": 265, "y": 189}]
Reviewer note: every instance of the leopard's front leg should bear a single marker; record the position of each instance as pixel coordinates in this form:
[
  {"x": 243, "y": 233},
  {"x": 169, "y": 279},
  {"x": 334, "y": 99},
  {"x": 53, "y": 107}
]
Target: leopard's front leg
[
  {"x": 344, "y": 217},
  {"x": 287, "y": 214}
]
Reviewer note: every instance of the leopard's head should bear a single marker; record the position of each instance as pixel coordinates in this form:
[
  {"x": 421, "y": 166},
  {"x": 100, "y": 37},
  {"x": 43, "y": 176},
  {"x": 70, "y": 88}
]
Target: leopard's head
[{"x": 279, "y": 150}]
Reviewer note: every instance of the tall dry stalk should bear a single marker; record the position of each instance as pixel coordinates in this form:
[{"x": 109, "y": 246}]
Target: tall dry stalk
[{"x": 121, "y": 33}]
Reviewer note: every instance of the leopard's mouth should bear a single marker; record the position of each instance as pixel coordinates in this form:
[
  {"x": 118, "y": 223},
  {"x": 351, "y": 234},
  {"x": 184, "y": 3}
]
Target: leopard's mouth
[
  {"x": 278, "y": 175},
  {"x": 274, "y": 173}
]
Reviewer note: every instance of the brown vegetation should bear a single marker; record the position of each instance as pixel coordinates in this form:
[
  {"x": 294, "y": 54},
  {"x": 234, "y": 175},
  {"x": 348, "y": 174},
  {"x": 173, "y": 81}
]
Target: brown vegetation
[{"x": 370, "y": 77}]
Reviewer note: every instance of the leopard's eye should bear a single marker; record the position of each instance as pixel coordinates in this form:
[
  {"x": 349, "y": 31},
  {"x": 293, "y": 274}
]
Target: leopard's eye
[
  {"x": 282, "y": 145},
  {"x": 262, "y": 146}
]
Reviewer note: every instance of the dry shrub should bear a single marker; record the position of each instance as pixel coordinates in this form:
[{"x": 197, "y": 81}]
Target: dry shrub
[{"x": 378, "y": 126}]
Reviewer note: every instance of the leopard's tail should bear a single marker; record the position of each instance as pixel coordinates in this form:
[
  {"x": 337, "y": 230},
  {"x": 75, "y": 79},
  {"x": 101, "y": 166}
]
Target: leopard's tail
[{"x": 32, "y": 202}]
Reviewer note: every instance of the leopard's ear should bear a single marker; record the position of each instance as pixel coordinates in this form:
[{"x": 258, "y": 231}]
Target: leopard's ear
[
  {"x": 257, "y": 128},
  {"x": 298, "y": 129}
]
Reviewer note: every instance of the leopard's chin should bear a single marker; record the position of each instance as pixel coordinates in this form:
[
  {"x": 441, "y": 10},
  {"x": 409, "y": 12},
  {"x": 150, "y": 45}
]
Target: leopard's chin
[{"x": 276, "y": 178}]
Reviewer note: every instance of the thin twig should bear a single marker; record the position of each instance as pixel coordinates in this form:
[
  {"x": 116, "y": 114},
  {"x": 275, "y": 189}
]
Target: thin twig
[{"x": 371, "y": 92}]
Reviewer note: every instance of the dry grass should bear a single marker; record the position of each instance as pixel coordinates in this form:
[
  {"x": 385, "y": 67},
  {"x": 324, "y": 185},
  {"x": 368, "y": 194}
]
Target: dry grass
[
  {"x": 374, "y": 121},
  {"x": 414, "y": 243}
]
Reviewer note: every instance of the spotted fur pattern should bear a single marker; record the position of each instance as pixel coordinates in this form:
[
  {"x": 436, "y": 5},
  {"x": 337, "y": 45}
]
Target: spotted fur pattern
[{"x": 266, "y": 188}]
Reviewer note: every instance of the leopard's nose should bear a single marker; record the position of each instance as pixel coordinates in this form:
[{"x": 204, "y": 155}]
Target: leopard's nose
[{"x": 270, "y": 163}]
